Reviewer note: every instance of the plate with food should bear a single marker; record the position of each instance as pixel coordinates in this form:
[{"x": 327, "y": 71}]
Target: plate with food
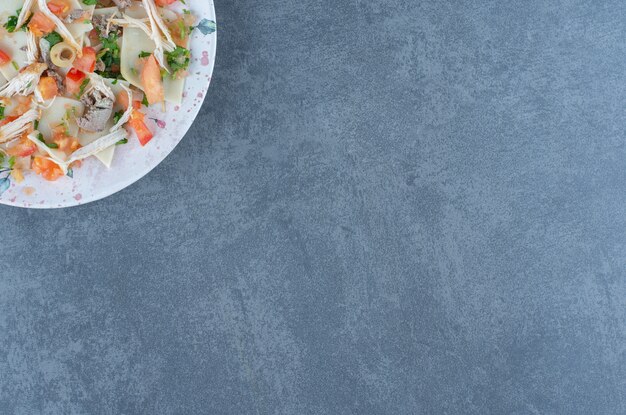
[{"x": 96, "y": 93}]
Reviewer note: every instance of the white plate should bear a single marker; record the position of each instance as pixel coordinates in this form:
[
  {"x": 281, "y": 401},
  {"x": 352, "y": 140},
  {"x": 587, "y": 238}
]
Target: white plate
[{"x": 93, "y": 181}]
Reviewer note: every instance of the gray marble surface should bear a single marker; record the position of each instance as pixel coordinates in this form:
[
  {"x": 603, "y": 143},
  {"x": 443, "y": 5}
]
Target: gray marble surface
[{"x": 384, "y": 207}]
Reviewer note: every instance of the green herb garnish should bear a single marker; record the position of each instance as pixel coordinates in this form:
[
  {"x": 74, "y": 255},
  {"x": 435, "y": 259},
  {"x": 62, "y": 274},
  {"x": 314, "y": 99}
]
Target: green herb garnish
[
  {"x": 90, "y": 2},
  {"x": 53, "y": 38},
  {"x": 117, "y": 116},
  {"x": 11, "y": 23},
  {"x": 81, "y": 91},
  {"x": 144, "y": 54},
  {"x": 110, "y": 56},
  {"x": 122, "y": 141},
  {"x": 178, "y": 59}
]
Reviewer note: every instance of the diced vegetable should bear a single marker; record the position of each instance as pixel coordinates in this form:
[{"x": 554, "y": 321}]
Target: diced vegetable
[
  {"x": 87, "y": 62},
  {"x": 4, "y": 58},
  {"x": 23, "y": 148},
  {"x": 74, "y": 80},
  {"x": 122, "y": 99},
  {"x": 152, "y": 82},
  {"x": 8, "y": 119},
  {"x": 141, "y": 129},
  {"x": 53, "y": 38},
  {"x": 48, "y": 87},
  {"x": 40, "y": 24},
  {"x": 59, "y": 7},
  {"x": 64, "y": 142},
  {"x": 48, "y": 169},
  {"x": 164, "y": 2},
  {"x": 178, "y": 59},
  {"x": 181, "y": 28}
]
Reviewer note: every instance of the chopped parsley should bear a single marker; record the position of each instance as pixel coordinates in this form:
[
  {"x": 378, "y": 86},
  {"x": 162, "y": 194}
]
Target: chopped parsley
[
  {"x": 53, "y": 38},
  {"x": 122, "y": 141},
  {"x": 110, "y": 56},
  {"x": 49, "y": 145},
  {"x": 117, "y": 116},
  {"x": 15, "y": 65},
  {"x": 178, "y": 59},
  {"x": 11, "y": 23},
  {"x": 90, "y": 2},
  {"x": 144, "y": 54},
  {"x": 1, "y": 112},
  {"x": 144, "y": 101},
  {"x": 81, "y": 91}
]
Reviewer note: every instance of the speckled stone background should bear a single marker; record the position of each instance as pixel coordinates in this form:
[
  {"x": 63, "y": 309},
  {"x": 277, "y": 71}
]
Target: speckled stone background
[{"x": 385, "y": 207}]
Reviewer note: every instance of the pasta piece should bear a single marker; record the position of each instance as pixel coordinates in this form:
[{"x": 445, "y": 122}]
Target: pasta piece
[
  {"x": 16, "y": 46},
  {"x": 60, "y": 110}
]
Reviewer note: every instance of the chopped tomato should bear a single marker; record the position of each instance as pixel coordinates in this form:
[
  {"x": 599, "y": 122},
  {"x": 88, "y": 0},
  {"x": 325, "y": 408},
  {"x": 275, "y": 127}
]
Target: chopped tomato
[
  {"x": 4, "y": 58},
  {"x": 73, "y": 80},
  {"x": 164, "y": 2},
  {"x": 180, "y": 29},
  {"x": 23, "y": 148},
  {"x": 48, "y": 169},
  {"x": 151, "y": 81},
  {"x": 87, "y": 62},
  {"x": 7, "y": 120},
  {"x": 23, "y": 104},
  {"x": 48, "y": 87},
  {"x": 64, "y": 142},
  {"x": 59, "y": 7},
  {"x": 122, "y": 99},
  {"x": 40, "y": 24},
  {"x": 67, "y": 144},
  {"x": 141, "y": 129}
]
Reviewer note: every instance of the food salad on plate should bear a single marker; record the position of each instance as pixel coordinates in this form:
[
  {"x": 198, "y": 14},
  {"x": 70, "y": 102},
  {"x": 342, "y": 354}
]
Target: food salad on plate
[{"x": 76, "y": 76}]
